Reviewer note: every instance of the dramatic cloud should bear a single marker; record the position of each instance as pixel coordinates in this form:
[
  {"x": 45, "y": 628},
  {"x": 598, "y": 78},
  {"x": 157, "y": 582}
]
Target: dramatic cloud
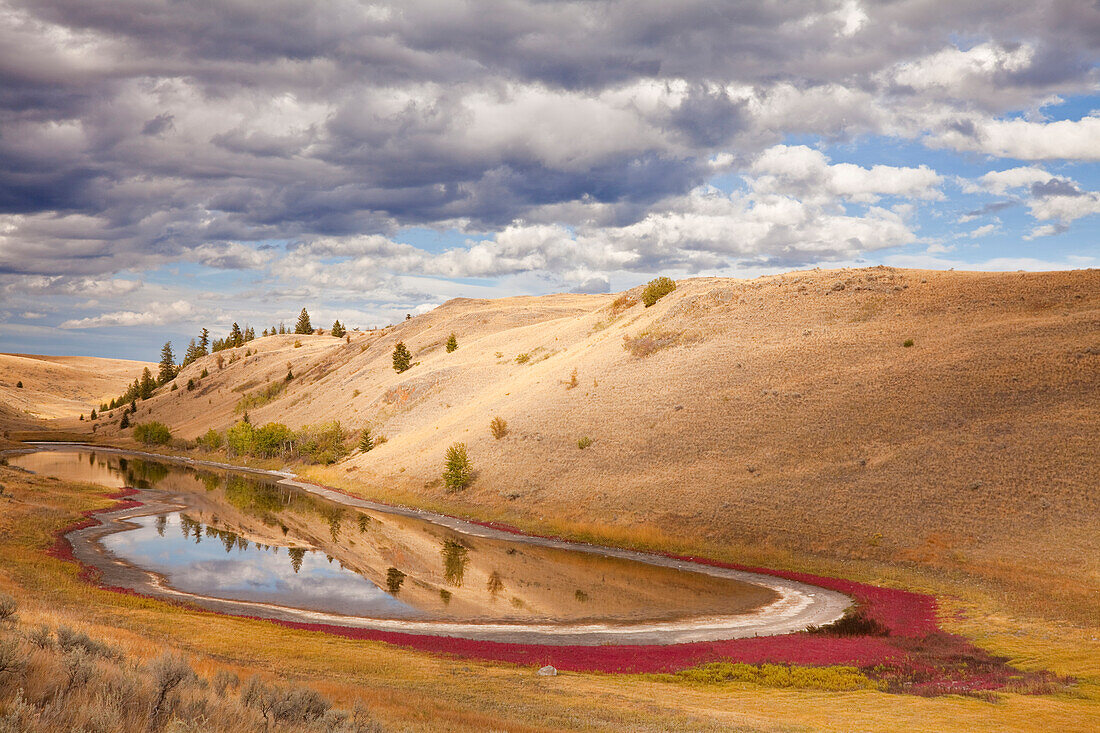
[{"x": 561, "y": 144}]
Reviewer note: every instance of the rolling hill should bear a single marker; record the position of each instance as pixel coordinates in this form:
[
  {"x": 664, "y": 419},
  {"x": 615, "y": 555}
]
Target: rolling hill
[{"x": 942, "y": 420}]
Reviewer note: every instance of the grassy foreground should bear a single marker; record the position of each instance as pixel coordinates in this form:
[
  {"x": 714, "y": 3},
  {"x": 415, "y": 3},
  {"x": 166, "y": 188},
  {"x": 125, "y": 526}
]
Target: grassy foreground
[{"x": 380, "y": 687}]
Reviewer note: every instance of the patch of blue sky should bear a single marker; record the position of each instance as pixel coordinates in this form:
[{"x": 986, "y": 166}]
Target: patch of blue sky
[{"x": 438, "y": 240}]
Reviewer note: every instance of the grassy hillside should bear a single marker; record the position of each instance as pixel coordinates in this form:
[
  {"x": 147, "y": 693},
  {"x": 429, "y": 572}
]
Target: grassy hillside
[
  {"x": 61, "y": 386},
  {"x": 782, "y": 414}
]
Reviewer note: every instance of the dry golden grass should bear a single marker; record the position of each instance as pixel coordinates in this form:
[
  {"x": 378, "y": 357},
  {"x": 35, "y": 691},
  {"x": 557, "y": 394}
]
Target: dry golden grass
[
  {"x": 404, "y": 690},
  {"x": 63, "y": 386}
]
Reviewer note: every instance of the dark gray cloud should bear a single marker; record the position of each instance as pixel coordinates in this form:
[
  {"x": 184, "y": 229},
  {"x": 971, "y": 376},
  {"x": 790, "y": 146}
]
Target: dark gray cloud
[{"x": 138, "y": 132}]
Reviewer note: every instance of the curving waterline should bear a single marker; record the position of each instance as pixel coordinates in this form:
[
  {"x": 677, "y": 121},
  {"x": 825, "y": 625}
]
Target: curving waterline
[{"x": 797, "y": 607}]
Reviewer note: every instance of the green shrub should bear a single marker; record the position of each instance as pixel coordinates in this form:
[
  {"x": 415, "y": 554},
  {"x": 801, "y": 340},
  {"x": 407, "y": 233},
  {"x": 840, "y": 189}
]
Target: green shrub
[
  {"x": 322, "y": 443},
  {"x": 458, "y": 473},
  {"x": 452, "y": 343},
  {"x": 124, "y": 422},
  {"x": 499, "y": 427},
  {"x": 584, "y": 442},
  {"x": 238, "y": 439},
  {"x": 272, "y": 439},
  {"x": 152, "y": 433},
  {"x": 252, "y": 400},
  {"x": 657, "y": 289},
  {"x": 833, "y": 679},
  {"x": 211, "y": 440},
  {"x": 523, "y": 358},
  {"x": 908, "y": 343},
  {"x": 366, "y": 442}
]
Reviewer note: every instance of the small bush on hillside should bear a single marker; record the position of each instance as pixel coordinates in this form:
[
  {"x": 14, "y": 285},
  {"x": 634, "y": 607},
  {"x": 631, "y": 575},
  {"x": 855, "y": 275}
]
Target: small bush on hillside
[
  {"x": 190, "y": 385},
  {"x": 19, "y": 384},
  {"x": 622, "y": 303},
  {"x": 657, "y": 289},
  {"x": 653, "y": 340},
  {"x": 908, "y": 343},
  {"x": 322, "y": 443},
  {"x": 498, "y": 427},
  {"x": 523, "y": 358},
  {"x": 584, "y": 442},
  {"x": 204, "y": 374},
  {"x": 8, "y": 607},
  {"x": 452, "y": 343},
  {"x": 572, "y": 383},
  {"x": 458, "y": 473},
  {"x": 402, "y": 359},
  {"x": 260, "y": 397},
  {"x": 366, "y": 442},
  {"x": 167, "y": 672},
  {"x": 124, "y": 422},
  {"x": 152, "y": 433},
  {"x": 210, "y": 440}
]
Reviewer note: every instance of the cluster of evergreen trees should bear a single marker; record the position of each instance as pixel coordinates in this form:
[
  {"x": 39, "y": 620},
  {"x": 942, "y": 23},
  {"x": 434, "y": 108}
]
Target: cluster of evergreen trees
[
  {"x": 236, "y": 338},
  {"x": 144, "y": 386}
]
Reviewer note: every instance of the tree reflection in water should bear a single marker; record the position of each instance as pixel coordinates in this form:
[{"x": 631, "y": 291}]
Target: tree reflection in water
[{"x": 455, "y": 557}]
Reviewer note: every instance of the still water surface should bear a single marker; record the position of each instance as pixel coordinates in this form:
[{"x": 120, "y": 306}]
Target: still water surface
[{"x": 230, "y": 535}]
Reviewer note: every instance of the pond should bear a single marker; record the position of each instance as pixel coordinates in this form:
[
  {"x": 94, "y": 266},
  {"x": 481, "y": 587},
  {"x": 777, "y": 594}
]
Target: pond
[{"x": 255, "y": 544}]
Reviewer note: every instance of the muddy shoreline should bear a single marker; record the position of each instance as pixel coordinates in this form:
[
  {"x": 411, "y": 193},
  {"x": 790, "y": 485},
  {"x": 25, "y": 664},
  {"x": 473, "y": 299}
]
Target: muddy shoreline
[{"x": 798, "y": 606}]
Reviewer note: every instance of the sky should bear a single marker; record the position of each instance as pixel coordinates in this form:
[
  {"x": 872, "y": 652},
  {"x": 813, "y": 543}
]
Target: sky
[{"x": 169, "y": 165}]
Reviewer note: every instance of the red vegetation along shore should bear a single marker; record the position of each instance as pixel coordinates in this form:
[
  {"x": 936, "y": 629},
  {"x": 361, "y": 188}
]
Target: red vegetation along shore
[{"x": 896, "y": 638}]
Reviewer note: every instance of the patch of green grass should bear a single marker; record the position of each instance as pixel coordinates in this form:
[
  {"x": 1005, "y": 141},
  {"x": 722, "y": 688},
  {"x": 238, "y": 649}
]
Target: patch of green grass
[
  {"x": 832, "y": 679},
  {"x": 252, "y": 400}
]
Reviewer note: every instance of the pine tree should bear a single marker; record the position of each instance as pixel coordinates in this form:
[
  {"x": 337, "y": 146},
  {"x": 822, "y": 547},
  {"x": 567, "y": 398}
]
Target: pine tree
[
  {"x": 452, "y": 343},
  {"x": 133, "y": 406},
  {"x": 167, "y": 364},
  {"x": 204, "y": 342},
  {"x": 282, "y": 328},
  {"x": 264, "y": 333},
  {"x": 249, "y": 333},
  {"x": 125, "y": 422},
  {"x": 366, "y": 442},
  {"x": 338, "y": 329},
  {"x": 148, "y": 384},
  {"x": 93, "y": 415},
  {"x": 236, "y": 338},
  {"x": 191, "y": 354},
  {"x": 402, "y": 359},
  {"x": 303, "y": 326}
]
